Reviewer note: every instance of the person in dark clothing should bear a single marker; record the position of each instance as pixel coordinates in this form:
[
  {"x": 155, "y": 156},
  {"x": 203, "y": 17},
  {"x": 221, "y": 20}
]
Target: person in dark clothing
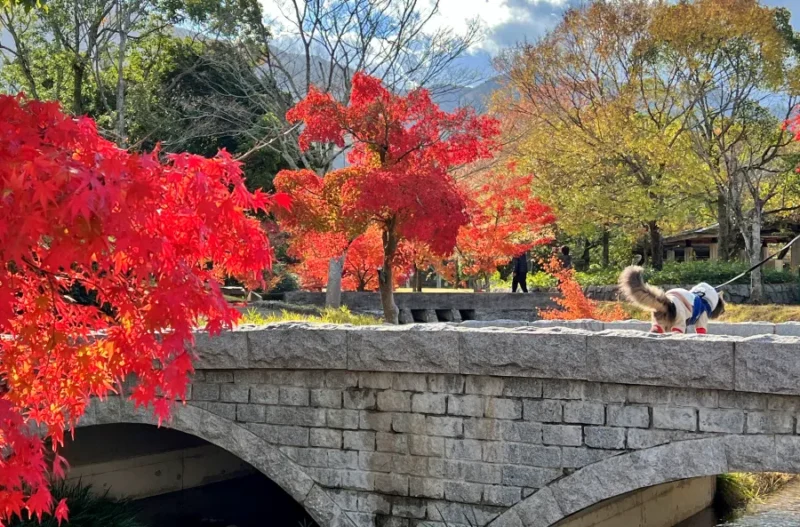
[
  {"x": 566, "y": 259},
  {"x": 520, "y": 272}
]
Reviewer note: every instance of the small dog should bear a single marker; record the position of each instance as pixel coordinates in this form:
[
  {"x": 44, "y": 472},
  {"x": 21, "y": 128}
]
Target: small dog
[{"x": 675, "y": 309}]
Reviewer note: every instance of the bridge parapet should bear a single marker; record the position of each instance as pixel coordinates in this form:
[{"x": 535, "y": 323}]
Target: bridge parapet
[{"x": 436, "y": 425}]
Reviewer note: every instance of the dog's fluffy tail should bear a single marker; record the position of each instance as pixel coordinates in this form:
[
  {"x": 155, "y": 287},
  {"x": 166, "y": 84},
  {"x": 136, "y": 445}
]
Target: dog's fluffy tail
[{"x": 637, "y": 291}]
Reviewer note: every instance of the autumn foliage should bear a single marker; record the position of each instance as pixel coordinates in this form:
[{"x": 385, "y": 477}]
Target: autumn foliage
[
  {"x": 573, "y": 303},
  {"x": 110, "y": 259},
  {"x": 506, "y": 220},
  {"x": 403, "y": 148}
]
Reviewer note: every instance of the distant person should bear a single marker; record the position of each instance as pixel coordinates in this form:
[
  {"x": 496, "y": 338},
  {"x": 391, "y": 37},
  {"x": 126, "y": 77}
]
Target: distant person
[
  {"x": 566, "y": 259},
  {"x": 520, "y": 272}
]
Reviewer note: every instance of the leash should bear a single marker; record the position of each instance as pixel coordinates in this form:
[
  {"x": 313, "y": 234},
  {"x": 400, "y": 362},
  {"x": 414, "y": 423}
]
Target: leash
[{"x": 780, "y": 254}]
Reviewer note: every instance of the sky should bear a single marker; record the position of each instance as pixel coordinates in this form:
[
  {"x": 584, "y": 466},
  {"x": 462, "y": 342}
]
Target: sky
[{"x": 507, "y": 22}]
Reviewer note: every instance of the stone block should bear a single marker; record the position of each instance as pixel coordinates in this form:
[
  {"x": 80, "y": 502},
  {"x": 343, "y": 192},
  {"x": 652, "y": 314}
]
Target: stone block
[
  {"x": 542, "y": 411},
  {"x": 421, "y": 349},
  {"x": 362, "y": 440},
  {"x": 426, "y": 488},
  {"x": 408, "y": 464},
  {"x": 472, "y": 471},
  {"x": 501, "y": 496},
  {"x": 359, "y": 399},
  {"x": 281, "y": 435},
  {"x": 374, "y": 503},
  {"x": 605, "y": 392},
  {"x": 444, "y": 426},
  {"x": 326, "y": 398},
  {"x": 429, "y": 403},
  {"x": 465, "y": 405},
  {"x": 218, "y": 377},
  {"x": 465, "y": 449},
  {"x": 205, "y": 392},
  {"x": 628, "y": 416},
  {"x": 298, "y": 346},
  {"x": 744, "y": 401},
  {"x": 341, "y": 379},
  {"x": 410, "y": 382},
  {"x": 226, "y": 350},
  {"x": 408, "y": 508},
  {"x": 563, "y": 389},
  {"x": 641, "y": 439},
  {"x": 406, "y": 423},
  {"x": 463, "y": 492},
  {"x": 580, "y": 457},
  {"x": 226, "y": 410},
  {"x": 584, "y": 413},
  {"x": 533, "y": 455},
  {"x": 234, "y": 393},
  {"x": 420, "y": 445},
  {"x": 395, "y": 484},
  {"x": 492, "y": 451},
  {"x": 252, "y": 413},
  {"x": 552, "y": 353},
  {"x": 523, "y": 432},
  {"x": 482, "y": 385},
  {"x": 444, "y": 383},
  {"x": 345, "y": 419},
  {"x": 769, "y": 423},
  {"x": 519, "y": 387},
  {"x": 395, "y": 443},
  {"x": 724, "y": 421},
  {"x": 605, "y": 437},
  {"x": 788, "y": 329},
  {"x": 375, "y": 380},
  {"x": 375, "y": 461},
  {"x": 489, "y": 429},
  {"x": 564, "y": 435},
  {"x": 377, "y": 421},
  {"x": 298, "y": 416},
  {"x": 695, "y": 398},
  {"x": 392, "y": 401},
  {"x": 346, "y": 459},
  {"x": 671, "y": 418},
  {"x": 498, "y": 408},
  {"x": 325, "y": 438},
  {"x": 293, "y": 396},
  {"x": 768, "y": 364},
  {"x": 530, "y": 477},
  {"x": 264, "y": 394},
  {"x": 677, "y": 361},
  {"x": 649, "y": 395}
]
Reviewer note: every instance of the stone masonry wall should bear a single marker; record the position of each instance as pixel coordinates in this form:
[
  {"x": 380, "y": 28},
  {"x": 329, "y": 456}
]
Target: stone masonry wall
[
  {"x": 438, "y": 424},
  {"x": 735, "y": 294}
]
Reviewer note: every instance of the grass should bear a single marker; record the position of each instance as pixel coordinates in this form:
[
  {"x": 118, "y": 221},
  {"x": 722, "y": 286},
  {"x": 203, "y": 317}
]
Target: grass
[
  {"x": 774, "y": 313},
  {"x": 738, "y": 490},
  {"x": 86, "y": 509},
  {"x": 326, "y": 315}
]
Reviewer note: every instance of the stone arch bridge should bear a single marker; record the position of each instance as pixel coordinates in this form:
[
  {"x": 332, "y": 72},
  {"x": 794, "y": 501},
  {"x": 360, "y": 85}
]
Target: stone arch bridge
[{"x": 436, "y": 424}]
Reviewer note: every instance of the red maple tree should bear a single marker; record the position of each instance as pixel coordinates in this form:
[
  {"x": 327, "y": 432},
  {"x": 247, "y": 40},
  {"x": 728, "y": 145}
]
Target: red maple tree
[
  {"x": 109, "y": 262},
  {"x": 506, "y": 219},
  {"x": 403, "y": 148}
]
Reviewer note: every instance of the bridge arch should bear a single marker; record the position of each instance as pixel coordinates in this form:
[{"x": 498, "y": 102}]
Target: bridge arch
[
  {"x": 235, "y": 439},
  {"x": 641, "y": 469}
]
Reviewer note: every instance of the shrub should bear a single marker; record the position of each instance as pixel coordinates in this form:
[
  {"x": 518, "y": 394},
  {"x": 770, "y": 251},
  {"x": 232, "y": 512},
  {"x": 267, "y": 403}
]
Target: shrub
[
  {"x": 86, "y": 509},
  {"x": 573, "y": 302},
  {"x": 690, "y": 273},
  {"x": 327, "y": 315}
]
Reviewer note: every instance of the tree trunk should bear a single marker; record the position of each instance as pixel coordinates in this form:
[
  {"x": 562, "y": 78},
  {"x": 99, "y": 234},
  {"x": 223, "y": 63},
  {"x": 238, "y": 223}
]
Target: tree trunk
[
  {"x": 122, "y": 14},
  {"x": 586, "y": 257},
  {"x": 78, "y": 71},
  {"x": 606, "y": 242},
  {"x": 756, "y": 287},
  {"x": 656, "y": 245},
  {"x": 333, "y": 293},
  {"x": 386, "y": 276},
  {"x": 724, "y": 220}
]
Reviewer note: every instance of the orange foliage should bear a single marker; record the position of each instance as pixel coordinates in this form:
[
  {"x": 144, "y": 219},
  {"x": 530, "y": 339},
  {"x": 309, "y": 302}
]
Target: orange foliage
[{"x": 573, "y": 303}]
